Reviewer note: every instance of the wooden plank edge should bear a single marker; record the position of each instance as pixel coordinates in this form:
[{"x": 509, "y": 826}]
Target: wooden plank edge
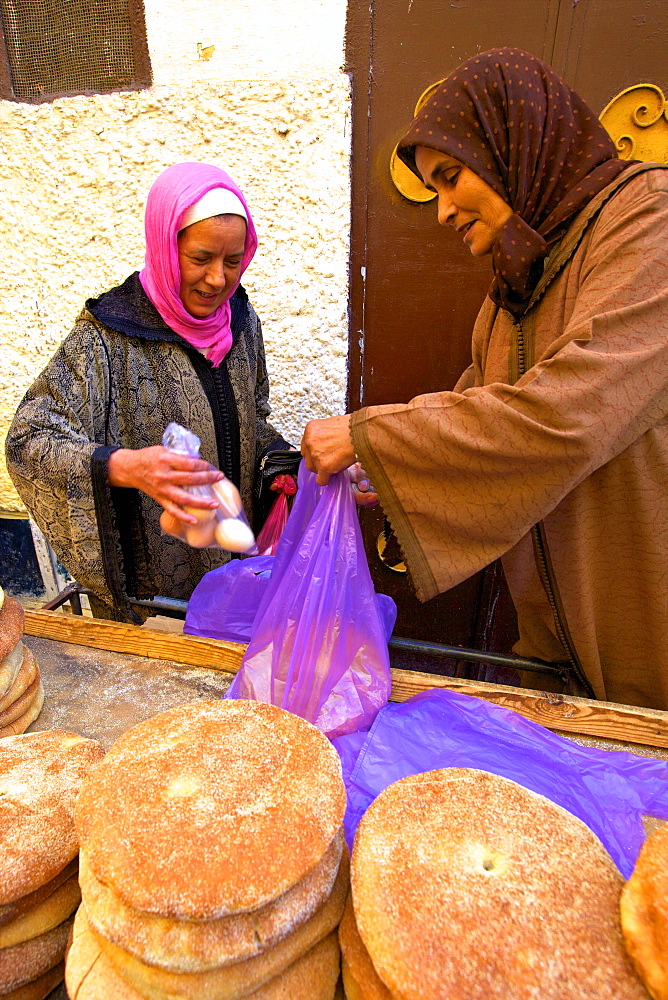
[
  {"x": 117, "y": 637},
  {"x": 626, "y": 723}
]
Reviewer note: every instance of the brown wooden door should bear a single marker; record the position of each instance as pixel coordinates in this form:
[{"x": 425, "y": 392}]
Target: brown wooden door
[{"x": 415, "y": 291}]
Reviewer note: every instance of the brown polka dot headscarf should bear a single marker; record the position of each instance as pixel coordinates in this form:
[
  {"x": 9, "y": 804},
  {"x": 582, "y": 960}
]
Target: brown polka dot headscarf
[{"x": 512, "y": 120}]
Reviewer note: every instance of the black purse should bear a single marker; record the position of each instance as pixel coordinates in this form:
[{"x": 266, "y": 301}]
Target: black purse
[{"x": 272, "y": 464}]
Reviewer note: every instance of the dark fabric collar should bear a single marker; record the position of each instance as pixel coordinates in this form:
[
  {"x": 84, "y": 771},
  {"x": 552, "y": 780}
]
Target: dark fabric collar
[{"x": 128, "y": 309}]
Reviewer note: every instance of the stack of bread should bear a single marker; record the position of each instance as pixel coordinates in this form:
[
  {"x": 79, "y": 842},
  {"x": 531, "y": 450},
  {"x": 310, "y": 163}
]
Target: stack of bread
[
  {"x": 466, "y": 885},
  {"x": 212, "y": 860},
  {"x": 21, "y": 691},
  {"x": 40, "y": 776},
  {"x": 644, "y": 913}
]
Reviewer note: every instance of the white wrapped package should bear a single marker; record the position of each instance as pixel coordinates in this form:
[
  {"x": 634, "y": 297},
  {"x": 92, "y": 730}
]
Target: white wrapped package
[{"x": 226, "y": 527}]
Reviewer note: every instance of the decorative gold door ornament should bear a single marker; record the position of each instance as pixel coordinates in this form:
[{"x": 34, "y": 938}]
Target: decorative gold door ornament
[
  {"x": 392, "y": 561},
  {"x": 405, "y": 181},
  {"x": 637, "y": 120}
]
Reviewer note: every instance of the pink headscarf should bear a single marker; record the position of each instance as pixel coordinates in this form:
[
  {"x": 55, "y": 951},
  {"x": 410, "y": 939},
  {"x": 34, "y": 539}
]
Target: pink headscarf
[{"x": 175, "y": 190}]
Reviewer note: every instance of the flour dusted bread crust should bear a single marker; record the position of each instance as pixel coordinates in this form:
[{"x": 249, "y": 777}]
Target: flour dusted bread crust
[
  {"x": 39, "y": 988},
  {"x": 197, "y": 946},
  {"x": 32, "y": 711},
  {"x": 10, "y": 666},
  {"x": 91, "y": 976},
  {"x": 644, "y": 914},
  {"x": 468, "y": 886},
  {"x": 25, "y": 962},
  {"x": 24, "y": 678},
  {"x": 23, "y": 703},
  {"x": 47, "y": 914},
  {"x": 312, "y": 977},
  {"x": 11, "y": 911},
  {"x": 231, "y": 982},
  {"x": 12, "y": 622},
  {"x": 353, "y": 990},
  {"x": 40, "y": 777},
  {"x": 211, "y": 809},
  {"x": 359, "y": 976}
]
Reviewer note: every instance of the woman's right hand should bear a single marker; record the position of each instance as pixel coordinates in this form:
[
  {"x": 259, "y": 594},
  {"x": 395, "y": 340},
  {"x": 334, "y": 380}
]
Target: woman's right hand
[{"x": 163, "y": 474}]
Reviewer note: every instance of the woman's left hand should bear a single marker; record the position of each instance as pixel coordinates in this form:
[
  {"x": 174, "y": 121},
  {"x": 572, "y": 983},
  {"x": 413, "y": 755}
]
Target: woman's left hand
[{"x": 327, "y": 447}]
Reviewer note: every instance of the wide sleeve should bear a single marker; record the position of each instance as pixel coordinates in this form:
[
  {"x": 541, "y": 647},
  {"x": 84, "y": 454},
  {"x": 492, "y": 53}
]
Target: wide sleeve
[
  {"x": 464, "y": 475},
  {"x": 57, "y": 454}
]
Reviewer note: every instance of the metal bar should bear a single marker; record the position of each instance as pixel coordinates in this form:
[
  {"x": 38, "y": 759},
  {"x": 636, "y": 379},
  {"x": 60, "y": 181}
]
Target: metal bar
[
  {"x": 162, "y": 603},
  {"x": 69, "y": 593},
  {"x": 459, "y": 653}
]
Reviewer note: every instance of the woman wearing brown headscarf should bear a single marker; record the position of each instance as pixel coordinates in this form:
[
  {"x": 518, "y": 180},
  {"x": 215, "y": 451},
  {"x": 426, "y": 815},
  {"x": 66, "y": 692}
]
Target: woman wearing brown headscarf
[{"x": 552, "y": 450}]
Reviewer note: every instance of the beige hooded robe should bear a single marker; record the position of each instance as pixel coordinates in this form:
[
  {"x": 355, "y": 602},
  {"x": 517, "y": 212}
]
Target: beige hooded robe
[{"x": 579, "y": 443}]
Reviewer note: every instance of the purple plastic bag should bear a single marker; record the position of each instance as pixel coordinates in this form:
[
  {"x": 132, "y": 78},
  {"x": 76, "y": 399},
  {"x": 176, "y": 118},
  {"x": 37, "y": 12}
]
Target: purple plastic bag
[
  {"x": 225, "y": 601},
  {"x": 608, "y": 790},
  {"x": 318, "y": 647}
]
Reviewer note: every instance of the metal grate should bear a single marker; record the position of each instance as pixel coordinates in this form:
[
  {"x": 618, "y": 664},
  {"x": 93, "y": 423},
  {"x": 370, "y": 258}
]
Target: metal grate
[{"x": 57, "y": 47}]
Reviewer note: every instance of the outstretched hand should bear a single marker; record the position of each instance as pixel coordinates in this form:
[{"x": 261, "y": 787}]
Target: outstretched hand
[
  {"x": 163, "y": 474},
  {"x": 327, "y": 447}
]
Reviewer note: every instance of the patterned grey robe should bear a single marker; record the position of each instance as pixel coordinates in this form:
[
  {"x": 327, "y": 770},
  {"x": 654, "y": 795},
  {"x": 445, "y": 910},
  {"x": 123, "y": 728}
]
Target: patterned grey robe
[{"x": 118, "y": 379}]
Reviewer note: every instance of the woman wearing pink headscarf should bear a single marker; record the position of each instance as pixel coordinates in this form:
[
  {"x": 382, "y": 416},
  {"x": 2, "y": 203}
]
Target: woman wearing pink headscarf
[{"x": 178, "y": 341}]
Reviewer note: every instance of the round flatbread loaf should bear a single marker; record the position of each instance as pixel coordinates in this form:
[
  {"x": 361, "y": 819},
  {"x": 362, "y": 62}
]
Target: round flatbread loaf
[
  {"x": 39, "y": 988},
  {"x": 40, "y": 777},
  {"x": 25, "y": 962},
  {"x": 32, "y": 711},
  {"x": 232, "y": 982},
  {"x": 47, "y": 914},
  {"x": 467, "y": 885},
  {"x": 312, "y": 977},
  {"x": 91, "y": 976},
  {"x": 26, "y": 675},
  {"x": 360, "y": 978},
  {"x": 12, "y": 911},
  {"x": 644, "y": 914},
  {"x": 12, "y": 622},
  {"x": 353, "y": 990},
  {"x": 200, "y": 945},
  {"x": 211, "y": 809},
  {"x": 23, "y": 703},
  {"x": 10, "y": 666}
]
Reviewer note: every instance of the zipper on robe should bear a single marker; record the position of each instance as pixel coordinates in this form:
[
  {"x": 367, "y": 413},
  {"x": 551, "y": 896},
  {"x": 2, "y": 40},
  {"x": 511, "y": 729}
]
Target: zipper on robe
[{"x": 543, "y": 562}]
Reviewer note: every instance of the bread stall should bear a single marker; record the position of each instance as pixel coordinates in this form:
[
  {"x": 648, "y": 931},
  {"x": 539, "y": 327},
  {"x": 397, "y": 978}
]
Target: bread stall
[{"x": 101, "y": 678}]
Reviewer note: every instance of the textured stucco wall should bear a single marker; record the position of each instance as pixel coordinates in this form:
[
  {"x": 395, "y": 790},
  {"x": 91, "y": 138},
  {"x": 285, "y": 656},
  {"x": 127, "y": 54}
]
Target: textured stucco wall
[{"x": 272, "y": 107}]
